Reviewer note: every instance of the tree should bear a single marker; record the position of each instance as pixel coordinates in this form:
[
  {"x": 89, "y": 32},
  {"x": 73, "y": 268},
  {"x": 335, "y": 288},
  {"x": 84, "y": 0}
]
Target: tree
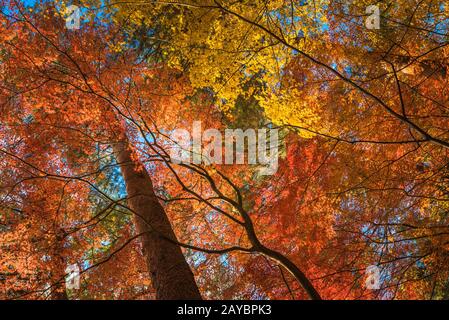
[
  {"x": 59, "y": 74},
  {"x": 362, "y": 175}
]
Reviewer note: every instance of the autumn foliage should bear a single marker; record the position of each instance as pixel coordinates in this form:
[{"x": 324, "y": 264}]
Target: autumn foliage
[{"x": 86, "y": 177}]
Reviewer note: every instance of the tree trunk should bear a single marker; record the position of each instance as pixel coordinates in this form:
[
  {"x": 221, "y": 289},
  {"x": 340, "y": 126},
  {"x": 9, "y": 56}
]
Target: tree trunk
[{"x": 170, "y": 273}]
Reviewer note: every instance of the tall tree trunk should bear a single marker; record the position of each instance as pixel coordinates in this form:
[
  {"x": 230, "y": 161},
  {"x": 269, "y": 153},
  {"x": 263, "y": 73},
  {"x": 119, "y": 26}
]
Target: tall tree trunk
[{"x": 170, "y": 273}]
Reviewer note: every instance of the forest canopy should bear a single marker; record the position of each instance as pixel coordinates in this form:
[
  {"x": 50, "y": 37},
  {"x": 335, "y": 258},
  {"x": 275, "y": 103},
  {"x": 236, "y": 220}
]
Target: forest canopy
[{"x": 218, "y": 149}]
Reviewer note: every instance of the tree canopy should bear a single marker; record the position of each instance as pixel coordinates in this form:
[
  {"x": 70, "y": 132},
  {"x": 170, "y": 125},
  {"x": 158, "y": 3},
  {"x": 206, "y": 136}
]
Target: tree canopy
[{"x": 357, "y": 119}]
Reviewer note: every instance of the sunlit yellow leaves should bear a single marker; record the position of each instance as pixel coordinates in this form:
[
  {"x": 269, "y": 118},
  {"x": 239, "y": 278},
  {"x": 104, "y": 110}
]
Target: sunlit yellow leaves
[
  {"x": 291, "y": 109},
  {"x": 222, "y": 52}
]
